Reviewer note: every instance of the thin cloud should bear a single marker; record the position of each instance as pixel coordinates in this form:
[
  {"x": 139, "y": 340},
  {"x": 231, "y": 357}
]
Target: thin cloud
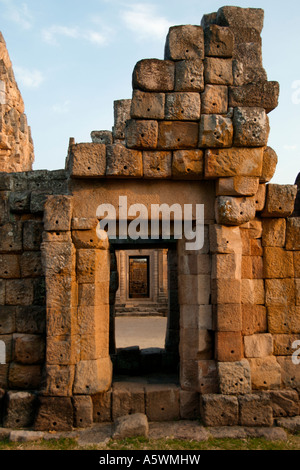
[
  {"x": 51, "y": 35},
  {"x": 61, "y": 108},
  {"x": 18, "y": 14},
  {"x": 28, "y": 78},
  {"x": 143, "y": 20}
]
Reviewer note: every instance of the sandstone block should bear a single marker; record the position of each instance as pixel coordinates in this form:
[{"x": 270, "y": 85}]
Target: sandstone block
[
  {"x": 188, "y": 164},
  {"x": 215, "y": 131},
  {"x": 283, "y": 344},
  {"x": 11, "y": 237},
  {"x": 88, "y": 239},
  {"x": 147, "y": 105},
  {"x": 189, "y": 405},
  {"x": 93, "y": 320},
  {"x": 7, "y": 320},
  {"x": 102, "y": 137},
  {"x": 58, "y": 259},
  {"x": 253, "y": 291},
  {"x": 228, "y": 347},
  {"x": 24, "y": 377},
  {"x": 87, "y": 160},
  {"x": 280, "y": 292},
  {"x": 225, "y": 239},
  {"x": 10, "y": 266},
  {"x": 182, "y": 106},
  {"x": 247, "y": 67},
  {"x": 62, "y": 350},
  {"x": 218, "y": 71},
  {"x": 154, "y": 75},
  {"x": 124, "y": 162},
  {"x": 93, "y": 376},
  {"x": 19, "y": 202},
  {"x": 198, "y": 317},
  {"x": 61, "y": 292},
  {"x": 214, "y": 99},
  {"x": 20, "y": 410},
  {"x": 31, "y": 264},
  {"x": 93, "y": 295},
  {"x": 228, "y": 317},
  {"x": 226, "y": 266},
  {"x": 127, "y": 398},
  {"x": 297, "y": 263},
  {"x": 195, "y": 344},
  {"x": 234, "y": 377},
  {"x": 293, "y": 234},
  {"x": 265, "y": 373},
  {"x": 284, "y": 403},
  {"x": 278, "y": 263},
  {"x": 173, "y": 135},
  {"x": 84, "y": 223},
  {"x": 54, "y": 414},
  {"x": 185, "y": 42},
  {"x": 280, "y": 200},
  {"x": 252, "y": 267},
  {"x": 219, "y": 410},
  {"x": 157, "y": 164},
  {"x": 290, "y": 372},
  {"x": 255, "y": 411},
  {"x": 83, "y": 411},
  {"x": 237, "y": 186},
  {"x": 241, "y": 17},
  {"x": 284, "y": 319},
  {"x": 141, "y": 134},
  {"x": 102, "y": 407},
  {"x": 29, "y": 349},
  {"x": 19, "y": 292},
  {"x": 58, "y": 213},
  {"x": 32, "y": 234},
  {"x": 226, "y": 291},
  {"x": 189, "y": 75},
  {"x": 260, "y": 197},
  {"x": 31, "y": 320},
  {"x": 233, "y": 162},
  {"x": 258, "y": 95},
  {"x": 219, "y": 41},
  {"x": 131, "y": 426},
  {"x": 274, "y": 232},
  {"x": 59, "y": 380},
  {"x": 251, "y": 127},
  {"x": 92, "y": 266},
  {"x": 234, "y": 211},
  {"x": 259, "y": 345},
  {"x": 121, "y": 115},
  {"x": 270, "y": 161},
  {"x": 162, "y": 402}
]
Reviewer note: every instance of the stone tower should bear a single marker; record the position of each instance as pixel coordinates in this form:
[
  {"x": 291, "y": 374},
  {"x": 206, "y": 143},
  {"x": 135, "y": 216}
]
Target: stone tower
[{"x": 16, "y": 146}]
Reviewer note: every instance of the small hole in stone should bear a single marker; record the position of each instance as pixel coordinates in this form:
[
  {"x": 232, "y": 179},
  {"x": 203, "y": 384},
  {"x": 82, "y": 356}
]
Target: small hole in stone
[
  {"x": 57, "y": 234},
  {"x": 148, "y": 110},
  {"x": 265, "y": 383},
  {"x": 57, "y": 386},
  {"x": 162, "y": 409},
  {"x": 218, "y": 46},
  {"x": 187, "y": 51},
  {"x": 98, "y": 413},
  {"x": 80, "y": 420},
  {"x": 241, "y": 380},
  {"x": 188, "y": 170},
  {"x": 192, "y": 80},
  {"x": 256, "y": 202},
  {"x": 89, "y": 167},
  {"x": 125, "y": 167},
  {"x": 56, "y": 222},
  {"x": 214, "y": 104},
  {"x": 17, "y": 420},
  {"x": 178, "y": 140},
  {"x": 142, "y": 135},
  {"x": 54, "y": 423},
  {"x": 241, "y": 213},
  {"x": 158, "y": 169},
  {"x": 91, "y": 241},
  {"x": 232, "y": 352},
  {"x": 87, "y": 387},
  {"x": 280, "y": 208},
  {"x": 255, "y": 418}
]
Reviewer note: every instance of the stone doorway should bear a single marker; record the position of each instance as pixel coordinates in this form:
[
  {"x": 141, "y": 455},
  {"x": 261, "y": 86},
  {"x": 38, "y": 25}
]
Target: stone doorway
[{"x": 144, "y": 330}]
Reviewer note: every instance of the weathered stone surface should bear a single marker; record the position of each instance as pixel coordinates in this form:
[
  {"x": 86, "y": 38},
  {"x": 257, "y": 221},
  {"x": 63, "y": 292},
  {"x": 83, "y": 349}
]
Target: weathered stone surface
[
  {"x": 20, "y": 410},
  {"x": 219, "y": 410},
  {"x": 234, "y": 378},
  {"x": 254, "y": 319},
  {"x": 135, "y": 425},
  {"x": 188, "y": 164},
  {"x": 228, "y": 317},
  {"x": 214, "y": 99},
  {"x": 58, "y": 259},
  {"x": 245, "y": 71},
  {"x": 259, "y": 345},
  {"x": 290, "y": 372},
  {"x": 251, "y": 127},
  {"x": 228, "y": 346},
  {"x": 11, "y": 237},
  {"x": 123, "y": 162},
  {"x": 293, "y": 234},
  {"x": 31, "y": 320},
  {"x": 157, "y": 164},
  {"x": 92, "y": 377},
  {"x": 162, "y": 402},
  {"x": 226, "y": 266},
  {"x": 290, "y": 424},
  {"x": 19, "y": 292},
  {"x": 87, "y": 160},
  {"x": 219, "y": 41},
  {"x": 10, "y": 266},
  {"x": 280, "y": 200},
  {"x": 284, "y": 319},
  {"x": 225, "y": 239},
  {"x": 121, "y": 115},
  {"x": 226, "y": 291},
  {"x": 237, "y": 186},
  {"x": 25, "y": 436},
  {"x": 58, "y": 213},
  {"x": 241, "y": 17},
  {"x": 280, "y": 292},
  {"x": 233, "y": 162},
  {"x": 141, "y": 134},
  {"x": 274, "y": 232},
  {"x": 58, "y": 380},
  {"x": 270, "y": 161},
  {"x": 147, "y": 105},
  {"x": 83, "y": 411},
  {"x": 255, "y": 411},
  {"x": 182, "y": 106},
  {"x": 102, "y": 407},
  {"x": 189, "y": 405},
  {"x": 234, "y": 211},
  {"x": 284, "y": 403},
  {"x": 218, "y": 71},
  {"x": 189, "y": 75},
  {"x": 173, "y": 135},
  {"x": 29, "y": 349},
  {"x": 196, "y": 317},
  {"x": 127, "y": 398},
  {"x": 54, "y": 414},
  {"x": 278, "y": 263},
  {"x": 253, "y": 291},
  {"x": 265, "y": 373},
  {"x": 195, "y": 344},
  {"x": 283, "y": 344},
  {"x": 102, "y": 137},
  {"x": 185, "y": 42},
  {"x": 259, "y": 95},
  {"x": 24, "y": 377},
  {"x": 215, "y": 131},
  {"x": 154, "y": 75}
]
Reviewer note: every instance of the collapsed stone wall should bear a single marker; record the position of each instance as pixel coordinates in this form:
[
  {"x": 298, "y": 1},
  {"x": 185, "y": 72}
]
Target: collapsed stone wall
[
  {"x": 198, "y": 116},
  {"x": 16, "y": 145}
]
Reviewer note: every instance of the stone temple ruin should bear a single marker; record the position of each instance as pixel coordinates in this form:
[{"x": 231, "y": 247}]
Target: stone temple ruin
[{"x": 194, "y": 132}]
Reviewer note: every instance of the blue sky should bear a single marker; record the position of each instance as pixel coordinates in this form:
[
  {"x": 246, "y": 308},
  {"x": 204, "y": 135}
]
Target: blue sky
[{"x": 72, "y": 59}]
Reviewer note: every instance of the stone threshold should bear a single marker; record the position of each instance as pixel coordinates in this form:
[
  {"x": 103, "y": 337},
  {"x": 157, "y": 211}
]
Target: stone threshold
[{"x": 101, "y": 433}]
